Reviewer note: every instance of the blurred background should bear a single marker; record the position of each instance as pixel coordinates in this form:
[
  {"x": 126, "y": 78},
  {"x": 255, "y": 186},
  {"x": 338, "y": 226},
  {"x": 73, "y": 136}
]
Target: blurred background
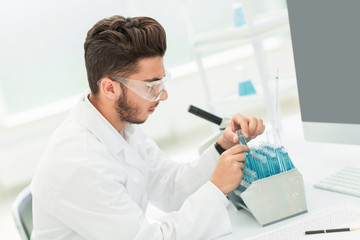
[{"x": 213, "y": 48}]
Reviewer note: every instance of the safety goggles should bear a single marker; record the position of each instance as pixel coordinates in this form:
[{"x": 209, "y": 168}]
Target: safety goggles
[{"x": 150, "y": 91}]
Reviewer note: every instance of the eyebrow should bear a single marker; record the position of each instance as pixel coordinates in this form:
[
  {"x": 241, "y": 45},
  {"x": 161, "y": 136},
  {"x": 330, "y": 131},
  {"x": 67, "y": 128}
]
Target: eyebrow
[{"x": 152, "y": 80}]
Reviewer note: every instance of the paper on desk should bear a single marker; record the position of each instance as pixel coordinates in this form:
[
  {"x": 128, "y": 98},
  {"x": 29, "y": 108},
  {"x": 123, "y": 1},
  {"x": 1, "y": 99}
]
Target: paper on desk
[{"x": 347, "y": 216}]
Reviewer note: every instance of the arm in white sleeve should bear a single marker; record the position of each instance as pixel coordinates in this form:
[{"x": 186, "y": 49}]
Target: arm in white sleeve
[
  {"x": 170, "y": 183},
  {"x": 100, "y": 208}
]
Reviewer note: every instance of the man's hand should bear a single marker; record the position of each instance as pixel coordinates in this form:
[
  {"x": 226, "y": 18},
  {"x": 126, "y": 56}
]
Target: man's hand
[
  {"x": 229, "y": 169},
  {"x": 250, "y": 128}
]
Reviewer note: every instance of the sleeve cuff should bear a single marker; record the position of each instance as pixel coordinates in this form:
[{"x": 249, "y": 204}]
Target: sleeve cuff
[
  {"x": 211, "y": 152},
  {"x": 218, "y": 193},
  {"x": 215, "y": 152}
]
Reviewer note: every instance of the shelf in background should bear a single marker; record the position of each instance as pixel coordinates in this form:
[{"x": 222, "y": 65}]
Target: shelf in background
[
  {"x": 286, "y": 86},
  {"x": 263, "y": 26}
]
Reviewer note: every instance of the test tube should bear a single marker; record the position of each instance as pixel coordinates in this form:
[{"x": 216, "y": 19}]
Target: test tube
[
  {"x": 246, "y": 178},
  {"x": 241, "y": 137}
]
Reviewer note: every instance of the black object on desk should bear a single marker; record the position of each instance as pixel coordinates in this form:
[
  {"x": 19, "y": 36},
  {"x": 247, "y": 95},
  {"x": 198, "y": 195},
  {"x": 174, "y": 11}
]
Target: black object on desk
[
  {"x": 331, "y": 230},
  {"x": 206, "y": 115}
]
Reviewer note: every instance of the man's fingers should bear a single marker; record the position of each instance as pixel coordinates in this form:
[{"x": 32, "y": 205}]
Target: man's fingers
[
  {"x": 241, "y": 122},
  {"x": 242, "y": 165},
  {"x": 262, "y": 127},
  {"x": 235, "y": 139},
  {"x": 235, "y": 155},
  {"x": 250, "y": 128},
  {"x": 241, "y": 158},
  {"x": 231, "y": 136},
  {"x": 238, "y": 149},
  {"x": 253, "y": 123}
]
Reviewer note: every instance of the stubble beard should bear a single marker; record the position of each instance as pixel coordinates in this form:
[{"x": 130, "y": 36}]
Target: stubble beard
[{"x": 128, "y": 112}]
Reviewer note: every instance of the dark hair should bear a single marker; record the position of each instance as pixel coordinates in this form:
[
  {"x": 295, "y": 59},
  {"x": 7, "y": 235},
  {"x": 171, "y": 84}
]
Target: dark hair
[{"x": 114, "y": 45}]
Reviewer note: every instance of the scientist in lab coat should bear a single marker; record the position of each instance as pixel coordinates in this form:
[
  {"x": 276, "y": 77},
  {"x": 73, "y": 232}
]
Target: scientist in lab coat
[{"x": 100, "y": 171}]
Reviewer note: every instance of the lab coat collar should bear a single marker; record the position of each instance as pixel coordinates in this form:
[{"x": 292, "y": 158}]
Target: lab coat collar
[
  {"x": 88, "y": 115},
  {"x": 95, "y": 122}
]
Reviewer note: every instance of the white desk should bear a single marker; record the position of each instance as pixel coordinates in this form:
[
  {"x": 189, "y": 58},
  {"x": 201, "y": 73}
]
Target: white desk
[{"x": 315, "y": 161}]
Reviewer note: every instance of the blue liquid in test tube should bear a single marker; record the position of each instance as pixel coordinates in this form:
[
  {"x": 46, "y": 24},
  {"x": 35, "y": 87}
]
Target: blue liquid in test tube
[
  {"x": 241, "y": 137},
  {"x": 263, "y": 161}
]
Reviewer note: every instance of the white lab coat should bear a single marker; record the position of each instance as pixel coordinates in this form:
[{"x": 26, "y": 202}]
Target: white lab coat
[{"x": 92, "y": 183}]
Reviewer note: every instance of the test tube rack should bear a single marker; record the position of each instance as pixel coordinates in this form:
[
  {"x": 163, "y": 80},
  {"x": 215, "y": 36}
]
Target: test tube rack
[
  {"x": 270, "y": 199},
  {"x": 274, "y": 198}
]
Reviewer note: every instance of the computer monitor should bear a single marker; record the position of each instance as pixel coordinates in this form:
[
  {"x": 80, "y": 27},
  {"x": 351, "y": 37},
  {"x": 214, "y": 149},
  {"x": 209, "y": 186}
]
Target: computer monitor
[{"x": 326, "y": 44}]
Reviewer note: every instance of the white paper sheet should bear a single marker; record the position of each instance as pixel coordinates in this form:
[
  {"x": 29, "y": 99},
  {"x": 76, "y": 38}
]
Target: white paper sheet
[{"x": 344, "y": 217}]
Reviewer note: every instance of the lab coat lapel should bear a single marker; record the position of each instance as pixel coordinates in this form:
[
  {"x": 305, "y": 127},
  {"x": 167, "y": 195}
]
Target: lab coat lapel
[
  {"x": 107, "y": 134},
  {"x": 134, "y": 159}
]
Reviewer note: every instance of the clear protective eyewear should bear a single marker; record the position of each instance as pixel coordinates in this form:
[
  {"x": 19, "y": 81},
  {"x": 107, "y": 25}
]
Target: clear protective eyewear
[{"x": 150, "y": 91}]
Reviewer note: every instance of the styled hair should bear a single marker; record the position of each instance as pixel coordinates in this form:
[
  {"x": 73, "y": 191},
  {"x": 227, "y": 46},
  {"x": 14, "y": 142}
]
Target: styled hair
[{"x": 114, "y": 46}]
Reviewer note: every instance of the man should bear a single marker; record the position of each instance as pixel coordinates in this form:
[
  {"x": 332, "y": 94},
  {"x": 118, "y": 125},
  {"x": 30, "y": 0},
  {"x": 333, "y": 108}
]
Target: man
[{"x": 100, "y": 171}]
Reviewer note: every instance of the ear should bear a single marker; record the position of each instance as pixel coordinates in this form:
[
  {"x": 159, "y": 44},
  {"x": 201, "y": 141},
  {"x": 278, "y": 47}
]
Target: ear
[{"x": 109, "y": 88}]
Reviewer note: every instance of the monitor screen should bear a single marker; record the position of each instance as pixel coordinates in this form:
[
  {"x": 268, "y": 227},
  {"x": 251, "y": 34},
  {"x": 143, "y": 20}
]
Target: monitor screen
[{"x": 326, "y": 44}]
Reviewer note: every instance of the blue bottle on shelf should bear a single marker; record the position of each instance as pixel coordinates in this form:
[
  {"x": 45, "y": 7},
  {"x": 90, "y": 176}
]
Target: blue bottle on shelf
[
  {"x": 245, "y": 85},
  {"x": 239, "y": 16}
]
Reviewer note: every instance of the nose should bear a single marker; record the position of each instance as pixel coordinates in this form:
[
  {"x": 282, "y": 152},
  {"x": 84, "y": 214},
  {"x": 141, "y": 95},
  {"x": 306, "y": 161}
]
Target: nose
[{"x": 164, "y": 95}]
